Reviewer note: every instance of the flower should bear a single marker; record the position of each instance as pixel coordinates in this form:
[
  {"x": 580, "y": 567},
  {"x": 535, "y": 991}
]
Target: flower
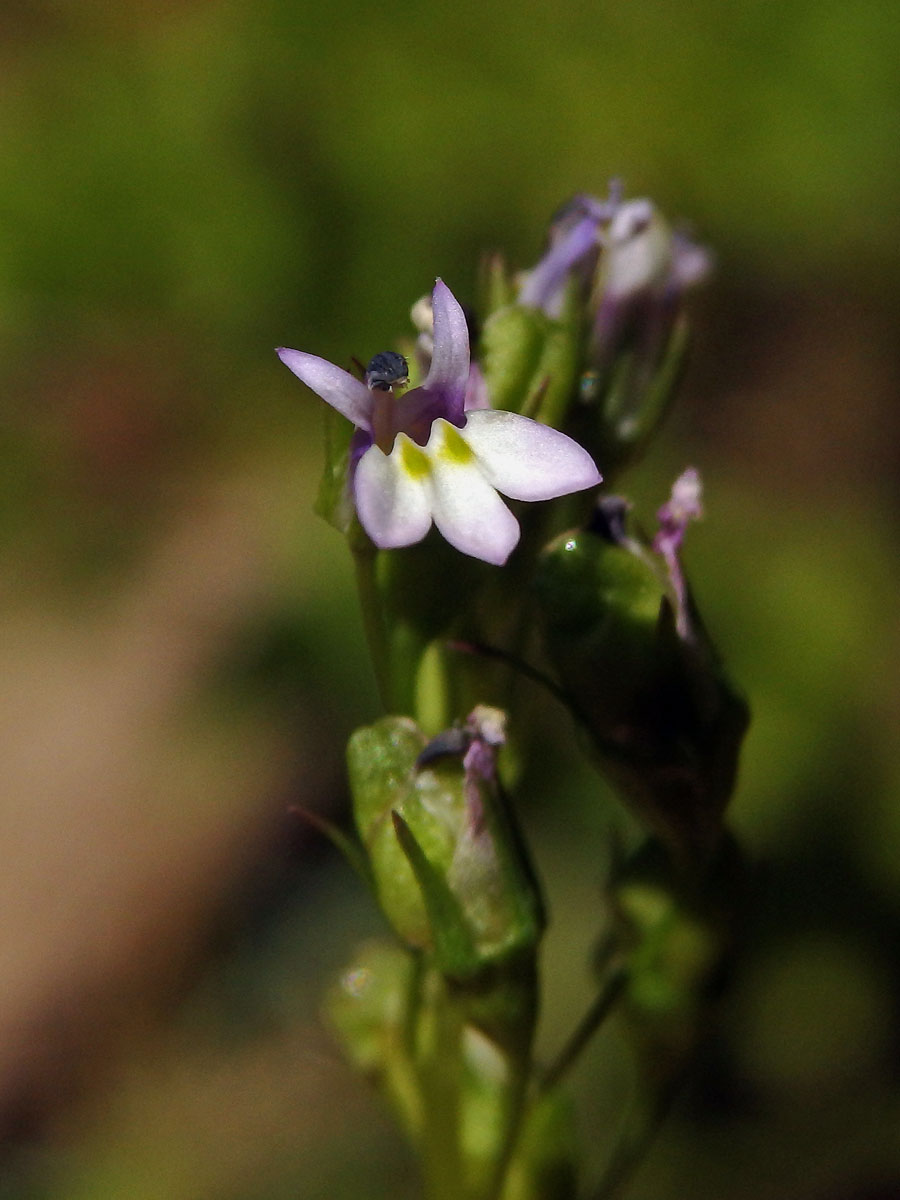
[
  {"x": 572, "y": 245},
  {"x": 634, "y": 257},
  {"x": 644, "y": 273},
  {"x": 428, "y": 456}
]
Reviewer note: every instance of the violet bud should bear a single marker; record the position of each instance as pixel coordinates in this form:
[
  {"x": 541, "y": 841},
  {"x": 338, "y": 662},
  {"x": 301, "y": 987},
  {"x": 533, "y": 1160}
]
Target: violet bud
[{"x": 639, "y": 330}]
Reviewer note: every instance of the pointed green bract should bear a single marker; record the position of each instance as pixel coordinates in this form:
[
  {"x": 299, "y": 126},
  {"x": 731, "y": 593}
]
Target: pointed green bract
[{"x": 454, "y": 950}]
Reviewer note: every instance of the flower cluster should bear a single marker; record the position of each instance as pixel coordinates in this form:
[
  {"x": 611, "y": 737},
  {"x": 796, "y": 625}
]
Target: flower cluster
[
  {"x": 572, "y": 361},
  {"x": 642, "y": 260}
]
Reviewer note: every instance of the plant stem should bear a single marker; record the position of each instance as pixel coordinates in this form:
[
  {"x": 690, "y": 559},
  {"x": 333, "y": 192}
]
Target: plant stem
[
  {"x": 364, "y": 559},
  {"x": 640, "y": 1129},
  {"x": 440, "y": 1075},
  {"x": 517, "y": 1089},
  {"x": 586, "y": 1028}
]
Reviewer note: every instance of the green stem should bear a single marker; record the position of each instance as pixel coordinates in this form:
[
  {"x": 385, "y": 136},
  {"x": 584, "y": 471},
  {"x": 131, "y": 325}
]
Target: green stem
[
  {"x": 640, "y": 1129},
  {"x": 517, "y": 1089},
  {"x": 586, "y": 1028},
  {"x": 440, "y": 1074},
  {"x": 364, "y": 558}
]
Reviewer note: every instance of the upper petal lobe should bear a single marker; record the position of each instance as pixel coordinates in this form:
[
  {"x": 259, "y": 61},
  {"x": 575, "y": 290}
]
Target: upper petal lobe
[
  {"x": 449, "y": 371},
  {"x": 337, "y": 387}
]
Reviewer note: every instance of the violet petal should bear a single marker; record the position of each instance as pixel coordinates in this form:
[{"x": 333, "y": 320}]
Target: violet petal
[
  {"x": 449, "y": 371},
  {"x": 337, "y": 387}
]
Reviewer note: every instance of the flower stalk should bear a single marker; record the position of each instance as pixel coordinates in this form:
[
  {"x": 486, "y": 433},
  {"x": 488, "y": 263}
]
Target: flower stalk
[{"x": 434, "y": 461}]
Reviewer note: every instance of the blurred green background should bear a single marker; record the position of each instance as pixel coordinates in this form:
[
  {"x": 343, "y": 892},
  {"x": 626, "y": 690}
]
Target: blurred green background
[{"x": 185, "y": 185}]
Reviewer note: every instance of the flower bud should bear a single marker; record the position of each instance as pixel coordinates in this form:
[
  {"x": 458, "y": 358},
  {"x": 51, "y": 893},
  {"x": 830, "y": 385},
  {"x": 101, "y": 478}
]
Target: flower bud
[
  {"x": 674, "y": 935},
  {"x": 532, "y": 345},
  {"x": 664, "y": 721},
  {"x": 599, "y": 319},
  {"x": 449, "y": 871},
  {"x": 368, "y": 1010},
  {"x": 639, "y": 332}
]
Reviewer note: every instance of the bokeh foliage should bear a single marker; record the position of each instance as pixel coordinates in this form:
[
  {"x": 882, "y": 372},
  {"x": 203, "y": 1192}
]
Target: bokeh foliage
[{"x": 186, "y": 185}]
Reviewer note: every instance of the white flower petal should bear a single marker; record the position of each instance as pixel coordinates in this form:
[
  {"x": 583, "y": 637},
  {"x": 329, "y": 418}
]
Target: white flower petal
[
  {"x": 337, "y": 387},
  {"x": 526, "y": 460},
  {"x": 392, "y": 501},
  {"x": 467, "y": 510}
]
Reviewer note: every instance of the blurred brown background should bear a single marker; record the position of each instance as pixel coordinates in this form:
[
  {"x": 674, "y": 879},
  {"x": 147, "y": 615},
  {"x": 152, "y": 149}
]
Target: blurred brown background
[{"x": 184, "y": 186}]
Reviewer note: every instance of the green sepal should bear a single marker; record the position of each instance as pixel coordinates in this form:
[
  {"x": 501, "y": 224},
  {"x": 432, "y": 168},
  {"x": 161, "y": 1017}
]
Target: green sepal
[
  {"x": 531, "y": 362},
  {"x": 554, "y": 384},
  {"x": 495, "y": 287},
  {"x": 454, "y": 951},
  {"x": 512, "y": 344},
  {"x": 333, "y": 500}
]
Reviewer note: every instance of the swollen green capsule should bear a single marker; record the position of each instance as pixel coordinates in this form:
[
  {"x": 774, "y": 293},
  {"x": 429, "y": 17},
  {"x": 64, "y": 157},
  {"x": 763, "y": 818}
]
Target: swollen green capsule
[{"x": 664, "y": 721}]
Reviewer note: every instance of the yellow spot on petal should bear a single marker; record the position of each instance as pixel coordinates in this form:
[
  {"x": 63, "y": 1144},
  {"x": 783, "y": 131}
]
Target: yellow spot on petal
[
  {"x": 413, "y": 458},
  {"x": 455, "y": 449}
]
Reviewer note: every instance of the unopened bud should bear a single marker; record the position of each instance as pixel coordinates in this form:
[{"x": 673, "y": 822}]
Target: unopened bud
[
  {"x": 533, "y": 344},
  {"x": 368, "y": 1010},
  {"x": 675, "y": 933},
  {"x": 639, "y": 332},
  {"x": 448, "y": 867}
]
